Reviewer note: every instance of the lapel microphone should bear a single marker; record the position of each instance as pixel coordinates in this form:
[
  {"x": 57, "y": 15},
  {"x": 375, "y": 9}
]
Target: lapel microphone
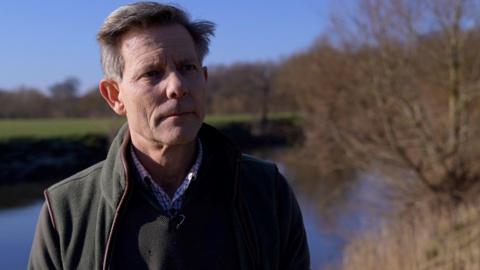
[{"x": 176, "y": 221}]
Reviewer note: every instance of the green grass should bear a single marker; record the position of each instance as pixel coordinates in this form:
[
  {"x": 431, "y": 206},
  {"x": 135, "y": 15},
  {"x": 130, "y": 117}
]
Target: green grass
[
  {"x": 225, "y": 119},
  {"x": 50, "y": 128}
]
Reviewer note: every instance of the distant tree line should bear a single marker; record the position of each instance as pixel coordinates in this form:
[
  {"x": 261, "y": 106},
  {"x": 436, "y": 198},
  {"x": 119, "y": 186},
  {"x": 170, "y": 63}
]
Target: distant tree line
[
  {"x": 63, "y": 100},
  {"x": 236, "y": 88}
]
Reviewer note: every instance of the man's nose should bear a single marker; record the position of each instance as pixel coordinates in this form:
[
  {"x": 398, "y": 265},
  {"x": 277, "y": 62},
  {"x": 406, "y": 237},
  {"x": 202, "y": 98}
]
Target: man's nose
[{"x": 175, "y": 86}]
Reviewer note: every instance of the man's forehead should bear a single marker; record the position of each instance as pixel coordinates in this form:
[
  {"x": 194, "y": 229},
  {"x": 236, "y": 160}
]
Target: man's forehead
[
  {"x": 147, "y": 48},
  {"x": 157, "y": 37}
]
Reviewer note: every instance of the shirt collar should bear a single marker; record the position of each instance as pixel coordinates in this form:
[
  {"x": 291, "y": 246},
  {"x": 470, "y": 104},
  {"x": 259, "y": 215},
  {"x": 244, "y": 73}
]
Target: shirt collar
[{"x": 192, "y": 174}]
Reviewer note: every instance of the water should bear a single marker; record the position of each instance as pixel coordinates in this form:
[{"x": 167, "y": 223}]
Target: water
[
  {"x": 16, "y": 235},
  {"x": 18, "y": 226},
  {"x": 325, "y": 247}
]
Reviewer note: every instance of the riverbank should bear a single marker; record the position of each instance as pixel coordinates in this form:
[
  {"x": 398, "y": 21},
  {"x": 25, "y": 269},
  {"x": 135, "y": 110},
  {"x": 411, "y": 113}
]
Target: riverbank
[{"x": 30, "y": 164}]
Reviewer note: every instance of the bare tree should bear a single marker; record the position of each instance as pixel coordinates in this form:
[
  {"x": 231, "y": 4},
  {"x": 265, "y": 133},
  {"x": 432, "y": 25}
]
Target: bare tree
[
  {"x": 64, "y": 96},
  {"x": 24, "y": 102},
  {"x": 413, "y": 108},
  {"x": 241, "y": 88}
]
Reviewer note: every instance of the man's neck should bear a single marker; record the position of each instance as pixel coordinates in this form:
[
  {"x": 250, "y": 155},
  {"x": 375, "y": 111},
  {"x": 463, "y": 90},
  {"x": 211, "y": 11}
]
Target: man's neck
[{"x": 167, "y": 164}]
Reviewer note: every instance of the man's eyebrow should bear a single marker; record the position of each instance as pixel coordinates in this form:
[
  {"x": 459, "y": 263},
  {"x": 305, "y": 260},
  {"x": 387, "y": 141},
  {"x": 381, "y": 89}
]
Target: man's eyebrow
[
  {"x": 186, "y": 60},
  {"x": 150, "y": 63}
]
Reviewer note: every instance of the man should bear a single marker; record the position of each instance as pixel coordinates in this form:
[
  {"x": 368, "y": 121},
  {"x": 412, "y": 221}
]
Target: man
[{"x": 173, "y": 193}]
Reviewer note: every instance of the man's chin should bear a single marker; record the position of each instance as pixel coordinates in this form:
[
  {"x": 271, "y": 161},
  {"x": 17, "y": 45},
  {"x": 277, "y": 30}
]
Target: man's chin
[{"x": 176, "y": 135}]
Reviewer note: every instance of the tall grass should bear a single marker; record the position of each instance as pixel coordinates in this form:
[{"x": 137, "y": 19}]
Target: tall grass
[{"x": 436, "y": 236}]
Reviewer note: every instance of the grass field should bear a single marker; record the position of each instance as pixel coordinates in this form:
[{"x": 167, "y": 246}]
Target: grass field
[{"x": 49, "y": 128}]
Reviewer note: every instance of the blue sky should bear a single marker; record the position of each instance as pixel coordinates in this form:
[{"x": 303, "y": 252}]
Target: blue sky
[{"x": 43, "y": 42}]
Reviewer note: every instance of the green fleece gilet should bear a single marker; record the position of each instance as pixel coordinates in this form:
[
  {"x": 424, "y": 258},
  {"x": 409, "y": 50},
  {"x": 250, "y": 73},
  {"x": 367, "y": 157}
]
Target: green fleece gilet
[{"x": 82, "y": 224}]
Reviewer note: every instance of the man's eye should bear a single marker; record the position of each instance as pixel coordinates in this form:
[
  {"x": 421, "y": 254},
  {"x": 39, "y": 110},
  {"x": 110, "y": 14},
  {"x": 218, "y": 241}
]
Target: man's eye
[
  {"x": 152, "y": 73},
  {"x": 188, "y": 67}
]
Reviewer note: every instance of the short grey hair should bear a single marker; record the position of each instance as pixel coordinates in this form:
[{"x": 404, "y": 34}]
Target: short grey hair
[{"x": 143, "y": 15}]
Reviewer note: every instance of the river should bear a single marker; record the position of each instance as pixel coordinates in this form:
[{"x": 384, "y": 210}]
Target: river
[
  {"x": 18, "y": 225},
  {"x": 326, "y": 245}
]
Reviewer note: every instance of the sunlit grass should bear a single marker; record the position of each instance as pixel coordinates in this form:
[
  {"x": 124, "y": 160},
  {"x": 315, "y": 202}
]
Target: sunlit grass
[
  {"x": 50, "y": 128},
  {"x": 225, "y": 119}
]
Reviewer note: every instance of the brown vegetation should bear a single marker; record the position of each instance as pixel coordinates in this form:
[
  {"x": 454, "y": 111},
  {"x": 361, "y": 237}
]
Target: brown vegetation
[
  {"x": 399, "y": 96},
  {"x": 64, "y": 101},
  {"x": 435, "y": 236},
  {"x": 247, "y": 88},
  {"x": 394, "y": 92}
]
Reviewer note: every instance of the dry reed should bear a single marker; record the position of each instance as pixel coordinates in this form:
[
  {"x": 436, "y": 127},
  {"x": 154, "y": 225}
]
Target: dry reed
[{"x": 436, "y": 236}]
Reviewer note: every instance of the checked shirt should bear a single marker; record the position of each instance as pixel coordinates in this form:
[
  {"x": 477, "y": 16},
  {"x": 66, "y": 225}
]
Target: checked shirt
[{"x": 170, "y": 205}]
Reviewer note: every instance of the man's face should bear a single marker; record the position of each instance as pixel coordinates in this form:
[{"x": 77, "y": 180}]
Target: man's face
[{"x": 163, "y": 85}]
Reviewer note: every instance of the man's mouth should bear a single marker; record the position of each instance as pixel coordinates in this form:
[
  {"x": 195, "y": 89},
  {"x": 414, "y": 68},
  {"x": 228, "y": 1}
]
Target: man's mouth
[{"x": 177, "y": 114}]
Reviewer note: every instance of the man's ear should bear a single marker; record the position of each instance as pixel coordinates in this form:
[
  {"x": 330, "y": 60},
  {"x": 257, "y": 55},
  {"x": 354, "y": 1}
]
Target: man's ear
[
  {"x": 205, "y": 73},
  {"x": 110, "y": 92}
]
